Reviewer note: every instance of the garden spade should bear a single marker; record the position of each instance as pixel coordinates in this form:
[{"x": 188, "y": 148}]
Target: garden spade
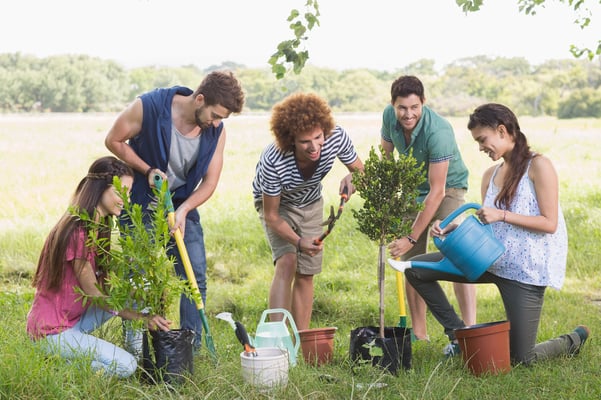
[{"x": 181, "y": 246}]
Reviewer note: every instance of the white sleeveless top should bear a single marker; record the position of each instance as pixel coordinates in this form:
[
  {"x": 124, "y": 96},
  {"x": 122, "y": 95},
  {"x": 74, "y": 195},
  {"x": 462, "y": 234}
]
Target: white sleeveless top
[{"x": 533, "y": 258}]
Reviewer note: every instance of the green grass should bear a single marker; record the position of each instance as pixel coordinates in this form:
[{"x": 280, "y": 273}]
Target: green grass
[{"x": 43, "y": 158}]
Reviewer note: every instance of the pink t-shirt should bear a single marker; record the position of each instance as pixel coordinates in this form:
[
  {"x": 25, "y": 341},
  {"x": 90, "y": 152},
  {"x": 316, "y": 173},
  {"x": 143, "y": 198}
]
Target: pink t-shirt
[{"x": 55, "y": 311}]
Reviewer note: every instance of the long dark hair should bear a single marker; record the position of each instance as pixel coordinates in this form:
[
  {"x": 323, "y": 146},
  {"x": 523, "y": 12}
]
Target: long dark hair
[
  {"x": 87, "y": 195},
  {"x": 492, "y": 115}
]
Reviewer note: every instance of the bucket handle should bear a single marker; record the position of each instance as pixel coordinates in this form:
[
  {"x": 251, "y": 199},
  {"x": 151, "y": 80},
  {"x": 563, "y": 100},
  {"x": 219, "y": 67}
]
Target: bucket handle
[{"x": 287, "y": 316}]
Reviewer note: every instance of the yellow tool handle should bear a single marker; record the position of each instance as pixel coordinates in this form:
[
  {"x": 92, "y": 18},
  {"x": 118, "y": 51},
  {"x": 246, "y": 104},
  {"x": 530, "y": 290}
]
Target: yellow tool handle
[
  {"x": 401, "y": 293},
  {"x": 179, "y": 240}
]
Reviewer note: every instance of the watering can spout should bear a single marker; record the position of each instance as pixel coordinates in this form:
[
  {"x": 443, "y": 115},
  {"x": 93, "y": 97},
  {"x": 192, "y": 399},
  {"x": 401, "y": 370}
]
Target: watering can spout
[{"x": 443, "y": 265}]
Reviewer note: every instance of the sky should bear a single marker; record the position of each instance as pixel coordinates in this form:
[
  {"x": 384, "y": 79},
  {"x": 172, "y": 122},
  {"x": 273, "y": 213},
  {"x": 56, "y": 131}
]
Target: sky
[{"x": 377, "y": 34}]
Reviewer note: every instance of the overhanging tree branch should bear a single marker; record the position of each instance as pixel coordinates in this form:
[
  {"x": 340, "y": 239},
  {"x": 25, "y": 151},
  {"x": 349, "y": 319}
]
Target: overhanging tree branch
[{"x": 288, "y": 52}]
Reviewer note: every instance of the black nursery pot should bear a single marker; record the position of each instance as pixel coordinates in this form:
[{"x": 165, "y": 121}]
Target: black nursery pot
[
  {"x": 172, "y": 356},
  {"x": 390, "y": 352}
]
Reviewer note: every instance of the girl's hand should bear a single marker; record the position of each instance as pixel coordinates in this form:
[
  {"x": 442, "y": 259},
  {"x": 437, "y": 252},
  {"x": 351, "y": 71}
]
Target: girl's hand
[
  {"x": 488, "y": 215},
  {"x": 156, "y": 322}
]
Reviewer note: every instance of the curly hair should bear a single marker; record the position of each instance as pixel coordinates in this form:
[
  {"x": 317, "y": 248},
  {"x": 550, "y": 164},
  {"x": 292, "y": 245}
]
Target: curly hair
[{"x": 297, "y": 114}]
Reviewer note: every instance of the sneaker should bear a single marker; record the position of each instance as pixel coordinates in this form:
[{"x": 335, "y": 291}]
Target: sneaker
[
  {"x": 583, "y": 332},
  {"x": 452, "y": 349}
]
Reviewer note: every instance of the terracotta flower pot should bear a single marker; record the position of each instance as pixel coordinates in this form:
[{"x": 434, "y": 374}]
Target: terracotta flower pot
[
  {"x": 485, "y": 347},
  {"x": 317, "y": 344}
]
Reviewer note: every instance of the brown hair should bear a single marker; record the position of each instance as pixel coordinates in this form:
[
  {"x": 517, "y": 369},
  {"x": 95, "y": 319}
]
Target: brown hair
[
  {"x": 492, "y": 115},
  {"x": 299, "y": 113},
  {"x": 406, "y": 85},
  {"x": 222, "y": 88},
  {"x": 50, "y": 268}
]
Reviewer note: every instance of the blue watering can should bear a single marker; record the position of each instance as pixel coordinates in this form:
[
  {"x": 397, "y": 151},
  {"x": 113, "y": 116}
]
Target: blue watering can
[{"x": 468, "y": 250}]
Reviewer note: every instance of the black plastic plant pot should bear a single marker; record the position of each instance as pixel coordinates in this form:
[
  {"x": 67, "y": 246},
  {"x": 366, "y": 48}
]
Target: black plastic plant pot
[
  {"x": 172, "y": 357},
  {"x": 391, "y": 352}
]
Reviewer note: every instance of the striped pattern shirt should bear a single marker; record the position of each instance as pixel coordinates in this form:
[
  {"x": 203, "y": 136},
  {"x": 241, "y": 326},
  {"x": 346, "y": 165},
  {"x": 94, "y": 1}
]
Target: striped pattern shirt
[{"x": 277, "y": 173}]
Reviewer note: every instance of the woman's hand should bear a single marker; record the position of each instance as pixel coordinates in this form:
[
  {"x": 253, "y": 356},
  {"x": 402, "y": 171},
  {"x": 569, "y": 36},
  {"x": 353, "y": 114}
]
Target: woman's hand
[
  {"x": 156, "y": 322},
  {"x": 489, "y": 215},
  {"x": 437, "y": 231}
]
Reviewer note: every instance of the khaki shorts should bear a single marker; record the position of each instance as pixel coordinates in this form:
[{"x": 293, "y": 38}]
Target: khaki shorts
[
  {"x": 453, "y": 199},
  {"x": 306, "y": 222}
]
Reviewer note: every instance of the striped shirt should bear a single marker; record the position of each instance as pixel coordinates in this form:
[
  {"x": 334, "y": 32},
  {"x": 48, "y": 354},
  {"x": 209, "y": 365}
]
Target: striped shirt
[{"x": 277, "y": 173}]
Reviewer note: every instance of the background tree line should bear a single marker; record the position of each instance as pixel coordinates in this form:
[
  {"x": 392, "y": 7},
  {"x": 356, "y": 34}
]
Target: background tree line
[{"x": 568, "y": 88}]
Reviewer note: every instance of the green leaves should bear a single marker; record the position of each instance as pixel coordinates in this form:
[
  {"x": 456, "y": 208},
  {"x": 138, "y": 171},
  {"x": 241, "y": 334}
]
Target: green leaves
[
  {"x": 138, "y": 269},
  {"x": 389, "y": 189},
  {"x": 469, "y": 5},
  {"x": 288, "y": 52}
]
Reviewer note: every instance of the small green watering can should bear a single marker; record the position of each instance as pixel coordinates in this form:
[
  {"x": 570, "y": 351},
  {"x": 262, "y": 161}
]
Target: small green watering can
[
  {"x": 469, "y": 250},
  {"x": 278, "y": 333}
]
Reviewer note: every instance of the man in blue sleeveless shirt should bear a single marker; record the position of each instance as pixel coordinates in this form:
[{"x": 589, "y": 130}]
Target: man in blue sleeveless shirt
[
  {"x": 179, "y": 134},
  {"x": 409, "y": 125}
]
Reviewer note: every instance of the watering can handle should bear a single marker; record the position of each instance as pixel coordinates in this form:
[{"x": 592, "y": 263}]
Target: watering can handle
[
  {"x": 458, "y": 211},
  {"x": 288, "y": 316},
  {"x": 455, "y": 214}
]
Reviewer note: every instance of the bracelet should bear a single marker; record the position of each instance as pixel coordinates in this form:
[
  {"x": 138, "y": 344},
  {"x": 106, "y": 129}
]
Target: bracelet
[
  {"x": 298, "y": 248},
  {"x": 148, "y": 171},
  {"x": 113, "y": 312},
  {"x": 411, "y": 240}
]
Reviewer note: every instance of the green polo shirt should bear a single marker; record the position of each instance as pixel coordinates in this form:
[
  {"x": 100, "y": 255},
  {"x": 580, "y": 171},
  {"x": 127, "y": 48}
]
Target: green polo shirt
[{"x": 432, "y": 141}]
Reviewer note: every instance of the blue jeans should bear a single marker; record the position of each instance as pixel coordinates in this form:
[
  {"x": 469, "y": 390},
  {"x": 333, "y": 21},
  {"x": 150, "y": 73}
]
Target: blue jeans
[
  {"x": 77, "y": 342},
  {"x": 195, "y": 246}
]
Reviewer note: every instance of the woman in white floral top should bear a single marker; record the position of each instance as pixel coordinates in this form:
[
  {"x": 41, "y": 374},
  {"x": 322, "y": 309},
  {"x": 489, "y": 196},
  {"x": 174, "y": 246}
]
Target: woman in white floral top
[{"x": 521, "y": 202}]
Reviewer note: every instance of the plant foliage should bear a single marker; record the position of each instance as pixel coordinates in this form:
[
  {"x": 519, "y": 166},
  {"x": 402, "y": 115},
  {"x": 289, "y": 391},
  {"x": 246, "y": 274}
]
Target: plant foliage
[
  {"x": 139, "y": 271},
  {"x": 388, "y": 187},
  {"x": 287, "y": 51}
]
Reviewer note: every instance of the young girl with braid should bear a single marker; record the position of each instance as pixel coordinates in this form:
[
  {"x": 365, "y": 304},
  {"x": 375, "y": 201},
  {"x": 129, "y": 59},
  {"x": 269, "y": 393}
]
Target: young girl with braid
[{"x": 58, "y": 319}]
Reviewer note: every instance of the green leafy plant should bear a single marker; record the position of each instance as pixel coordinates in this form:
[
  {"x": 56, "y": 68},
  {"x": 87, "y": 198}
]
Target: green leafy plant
[
  {"x": 287, "y": 50},
  {"x": 139, "y": 271},
  {"x": 388, "y": 187}
]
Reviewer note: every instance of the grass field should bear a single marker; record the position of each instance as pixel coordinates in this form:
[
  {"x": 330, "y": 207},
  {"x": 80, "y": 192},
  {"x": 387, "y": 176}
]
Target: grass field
[{"x": 44, "y": 157}]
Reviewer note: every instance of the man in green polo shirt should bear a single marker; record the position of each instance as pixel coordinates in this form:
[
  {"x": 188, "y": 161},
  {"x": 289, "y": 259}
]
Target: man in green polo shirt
[{"x": 408, "y": 124}]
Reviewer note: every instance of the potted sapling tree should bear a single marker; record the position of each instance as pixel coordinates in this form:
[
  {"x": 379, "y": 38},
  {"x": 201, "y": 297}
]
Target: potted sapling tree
[
  {"x": 389, "y": 188},
  {"x": 140, "y": 274}
]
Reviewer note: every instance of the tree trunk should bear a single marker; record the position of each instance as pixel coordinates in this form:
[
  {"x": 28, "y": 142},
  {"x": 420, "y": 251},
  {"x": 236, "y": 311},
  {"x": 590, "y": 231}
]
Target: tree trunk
[{"x": 381, "y": 271}]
